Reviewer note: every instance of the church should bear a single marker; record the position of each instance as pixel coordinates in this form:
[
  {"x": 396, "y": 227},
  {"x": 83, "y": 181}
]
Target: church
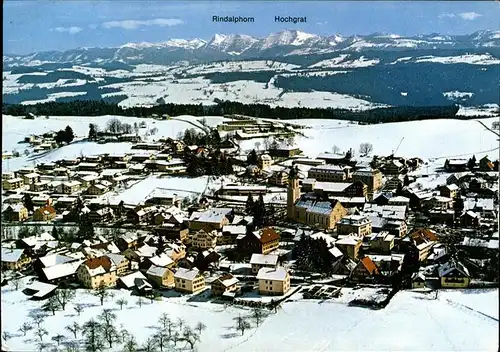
[{"x": 311, "y": 209}]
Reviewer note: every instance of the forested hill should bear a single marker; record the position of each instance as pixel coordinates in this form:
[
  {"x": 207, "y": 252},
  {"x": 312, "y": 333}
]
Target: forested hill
[{"x": 97, "y": 108}]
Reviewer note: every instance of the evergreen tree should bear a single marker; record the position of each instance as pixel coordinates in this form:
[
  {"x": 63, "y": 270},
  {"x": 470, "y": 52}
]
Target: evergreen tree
[
  {"x": 86, "y": 230},
  {"x": 348, "y": 155},
  {"x": 55, "y": 233},
  {"x": 259, "y": 212},
  {"x": 458, "y": 205},
  {"x": 249, "y": 205},
  {"x": 28, "y": 202},
  {"x": 406, "y": 181},
  {"x": 93, "y": 132},
  {"x": 399, "y": 189},
  {"x": 68, "y": 134},
  {"x": 471, "y": 163},
  {"x": 252, "y": 158}
]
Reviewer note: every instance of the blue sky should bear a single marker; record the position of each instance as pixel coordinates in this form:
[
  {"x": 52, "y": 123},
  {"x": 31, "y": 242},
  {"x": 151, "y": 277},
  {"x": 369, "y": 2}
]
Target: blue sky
[{"x": 31, "y": 26}]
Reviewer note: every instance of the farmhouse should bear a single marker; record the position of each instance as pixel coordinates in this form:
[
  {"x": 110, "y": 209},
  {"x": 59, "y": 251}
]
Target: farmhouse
[
  {"x": 204, "y": 240},
  {"x": 189, "y": 281},
  {"x": 14, "y": 259},
  {"x": 224, "y": 284},
  {"x": 160, "y": 276},
  {"x": 45, "y": 213},
  {"x": 365, "y": 269},
  {"x": 261, "y": 241},
  {"x": 453, "y": 275},
  {"x": 12, "y": 184},
  {"x": 17, "y": 212},
  {"x": 354, "y": 224},
  {"x": 214, "y": 219},
  {"x": 259, "y": 261},
  {"x": 273, "y": 281},
  {"x": 95, "y": 272}
]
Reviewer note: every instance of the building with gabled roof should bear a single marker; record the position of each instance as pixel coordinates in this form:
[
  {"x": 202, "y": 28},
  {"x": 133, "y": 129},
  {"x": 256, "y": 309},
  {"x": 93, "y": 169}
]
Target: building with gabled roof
[
  {"x": 189, "y": 280},
  {"x": 453, "y": 274},
  {"x": 160, "y": 276},
  {"x": 14, "y": 259},
  {"x": 223, "y": 284},
  {"x": 45, "y": 213},
  {"x": 365, "y": 269},
  {"x": 273, "y": 281},
  {"x": 261, "y": 241},
  {"x": 259, "y": 261},
  {"x": 96, "y": 272},
  {"x": 204, "y": 239}
]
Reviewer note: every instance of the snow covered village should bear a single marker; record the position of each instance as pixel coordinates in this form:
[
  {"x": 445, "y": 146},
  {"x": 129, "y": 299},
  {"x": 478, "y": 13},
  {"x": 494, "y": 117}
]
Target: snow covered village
[{"x": 218, "y": 195}]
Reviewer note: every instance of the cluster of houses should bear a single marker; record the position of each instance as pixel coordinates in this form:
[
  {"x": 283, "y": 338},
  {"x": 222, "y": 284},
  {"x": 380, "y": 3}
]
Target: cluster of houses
[
  {"x": 364, "y": 212},
  {"x": 55, "y": 188},
  {"x": 143, "y": 261}
]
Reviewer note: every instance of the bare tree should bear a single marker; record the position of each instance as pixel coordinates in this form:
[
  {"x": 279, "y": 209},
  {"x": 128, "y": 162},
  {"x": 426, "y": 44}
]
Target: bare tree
[
  {"x": 335, "y": 149},
  {"x": 25, "y": 328},
  {"x": 38, "y": 319},
  {"x": 140, "y": 302},
  {"x": 121, "y": 302},
  {"x": 51, "y": 305},
  {"x": 41, "y": 332},
  {"x": 200, "y": 327},
  {"x": 164, "y": 321},
  {"x": 365, "y": 148},
  {"x": 102, "y": 293},
  {"x": 58, "y": 338},
  {"x": 64, "y": 297},
  {"x": 130, "y": 345},
  {"x": 107, "y": 318},
  {"x": 190, "y": 337},
  {"x": 290, "y": 141},
  {"x": 72, "y": 346},
  {"x": 161, "y": 338},
  {"x": 16, "y": 282},
  {"x": 92, "y": 331},
  {"x": 257, "y": 145},
  {"x": 180, "y": 323},
  {"x": 114, "y": 125},
  {"x": 73, "y": 328},
  {"x": 242, "y": 325},
  {"x": 267, "y": 143},
  {"x": 257, "y": 315},
  {"x": 149, "y": 345},
  {"x": 79, "y": 309},
  {"x": 127, "y": 128}
]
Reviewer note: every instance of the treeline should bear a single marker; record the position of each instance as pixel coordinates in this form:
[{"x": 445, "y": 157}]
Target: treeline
[{"x": 98, "y": 108}]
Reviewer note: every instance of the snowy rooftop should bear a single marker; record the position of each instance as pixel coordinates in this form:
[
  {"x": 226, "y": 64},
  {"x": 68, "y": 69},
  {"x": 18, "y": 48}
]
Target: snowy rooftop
[
  {"x": 55, "y": 259},
  {"x": 264, "y": 259},
  {"x": 61, "y": 270},
  {"x": 161, "y": 260},
  {"x": 11, "y": 255},
  {"x": 275, "y": 274},
  {"x": 128, "y": 280},
  {"x": 156, "y": 271},
  {"x": 186, "y": 274}
]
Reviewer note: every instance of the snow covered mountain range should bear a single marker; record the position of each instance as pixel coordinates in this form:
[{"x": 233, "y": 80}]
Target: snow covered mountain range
[
  {"x": 239, "y": 46},
  {"x": 289, "y": 68}
]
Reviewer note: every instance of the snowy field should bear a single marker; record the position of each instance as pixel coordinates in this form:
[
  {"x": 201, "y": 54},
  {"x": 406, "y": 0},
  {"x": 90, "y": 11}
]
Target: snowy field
[
  {"x": 425, "y": 139},
  {"x": 14, "y": 129},
  {"x": 411, "y": 322},
  {"x": 183, "y": 187}
]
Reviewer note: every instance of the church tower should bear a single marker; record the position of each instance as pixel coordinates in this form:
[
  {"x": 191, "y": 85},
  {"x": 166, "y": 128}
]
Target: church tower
[{"x": 293, "y": 192}]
